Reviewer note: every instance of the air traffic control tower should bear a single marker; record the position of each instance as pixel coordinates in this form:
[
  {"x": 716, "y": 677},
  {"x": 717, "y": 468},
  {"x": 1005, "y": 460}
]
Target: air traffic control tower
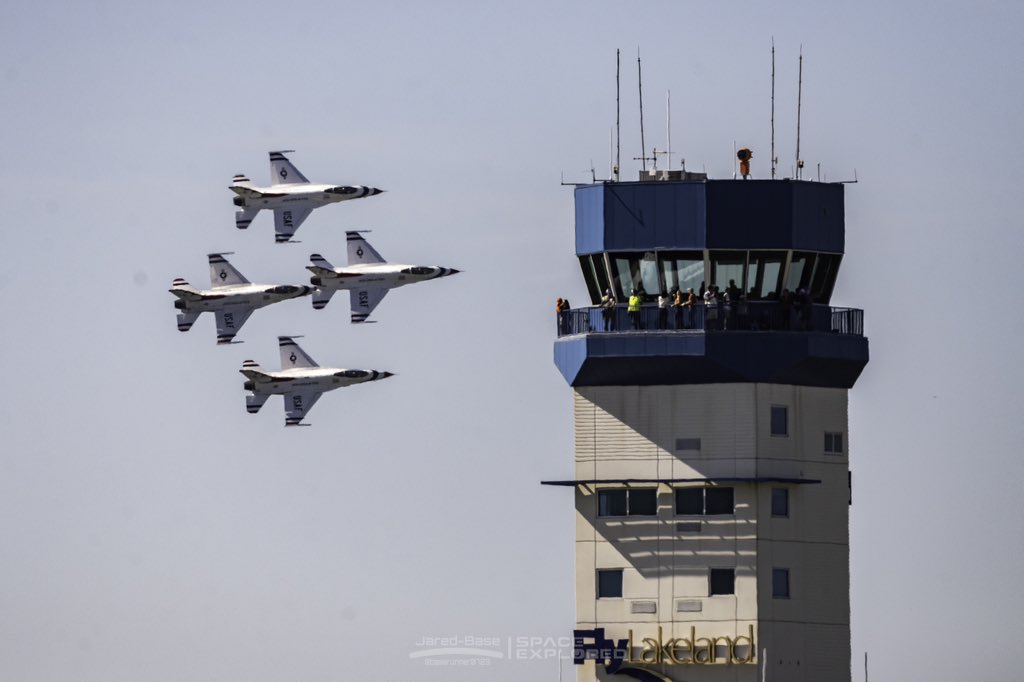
[{"x": 712, "y": 484}]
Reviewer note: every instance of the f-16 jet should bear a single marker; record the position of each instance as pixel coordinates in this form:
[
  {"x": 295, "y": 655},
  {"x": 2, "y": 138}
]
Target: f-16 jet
[
  {"x": 290, "y": 196},
  {"x": 301, "y": 381},
  {"x": 367, "y": 277},
  {"x": 232, "y": 298}
]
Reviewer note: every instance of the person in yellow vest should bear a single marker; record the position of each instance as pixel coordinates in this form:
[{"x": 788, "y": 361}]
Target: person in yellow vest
[{"x": 634, "y": 309}]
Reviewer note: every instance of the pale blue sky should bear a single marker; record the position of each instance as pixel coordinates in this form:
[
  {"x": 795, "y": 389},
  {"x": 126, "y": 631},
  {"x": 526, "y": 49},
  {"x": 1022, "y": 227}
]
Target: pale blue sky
[{"x": 151, "y": 529}]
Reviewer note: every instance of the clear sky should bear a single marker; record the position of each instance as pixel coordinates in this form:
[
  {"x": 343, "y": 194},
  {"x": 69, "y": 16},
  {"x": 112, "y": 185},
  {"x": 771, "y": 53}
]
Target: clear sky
[{"x": 151, "y": 529}]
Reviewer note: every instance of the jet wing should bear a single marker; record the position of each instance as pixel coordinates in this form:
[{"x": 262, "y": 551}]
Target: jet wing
[
  {"x": 364, "y": 301},
  {"x": 229, "y": 322},
  {"x": 223, "y": 273},
  {"x": 360, "y": 251},
  {"x": 282, "y": 172},
  {"x": 297, "y": 405},
  {"x": 287, "y": 221},
  {"x": 292, "y": 356}
]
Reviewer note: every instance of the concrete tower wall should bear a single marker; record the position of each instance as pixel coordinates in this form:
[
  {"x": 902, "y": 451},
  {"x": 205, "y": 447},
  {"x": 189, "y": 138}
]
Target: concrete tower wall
[{"x": 718, "y": 436}]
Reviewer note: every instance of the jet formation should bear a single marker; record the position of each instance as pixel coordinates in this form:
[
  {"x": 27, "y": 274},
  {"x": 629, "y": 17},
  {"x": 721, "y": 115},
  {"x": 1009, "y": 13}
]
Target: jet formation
[
  {"x": 367, "y": 277},
  {"x": 290, "y": 196},
  {"x": 232, "y": 298},
  {"x": 301, "y": 381}
]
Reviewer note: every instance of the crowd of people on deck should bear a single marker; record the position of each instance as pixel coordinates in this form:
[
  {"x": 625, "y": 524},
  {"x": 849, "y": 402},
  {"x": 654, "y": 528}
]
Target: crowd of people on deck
[{"x": 710, "y": 308}]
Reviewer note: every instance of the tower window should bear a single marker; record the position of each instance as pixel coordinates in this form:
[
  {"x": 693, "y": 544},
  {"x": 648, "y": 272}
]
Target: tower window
[
  {"x": 780, "y": 420},
  {"x": 780, "y": 583},
  {"x": 833, "y": 443},
  {"x": 780, "y": 502},
  {"x": 721, "y": 581},
  {"x": 627, "y": 502},
  {"x": 609, "y": 583},
  {"x": 705, "y": 501}
]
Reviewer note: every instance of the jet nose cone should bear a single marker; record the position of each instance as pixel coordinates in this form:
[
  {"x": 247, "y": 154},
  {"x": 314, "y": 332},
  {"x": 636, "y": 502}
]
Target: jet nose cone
[
  {"x": 453, "y": 271},
  {"x": 375, "y": 191},
  {"x": 385, "y": 375}
]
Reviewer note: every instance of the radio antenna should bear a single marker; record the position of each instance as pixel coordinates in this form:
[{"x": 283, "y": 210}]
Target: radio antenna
[
  {"x": 774, "y": 159},
  {"x": 618, "y": 139},
  {"x": 640, "y": 86},
  {"x": 668, "y": 128},
  {"x": 799, "y": 94}
]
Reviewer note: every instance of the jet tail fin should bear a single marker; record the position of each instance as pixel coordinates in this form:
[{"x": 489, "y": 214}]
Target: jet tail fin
[
  {"x": 320, "y": 262},
  {"x": 244, "y": 217},
  {"x": 321, "y": 297},
  {"x": 253, "y": 372},
  {"x": 254, "y": 402},
  {"x": 184, "y": 290},
  {"x": 186, "y": 320}
]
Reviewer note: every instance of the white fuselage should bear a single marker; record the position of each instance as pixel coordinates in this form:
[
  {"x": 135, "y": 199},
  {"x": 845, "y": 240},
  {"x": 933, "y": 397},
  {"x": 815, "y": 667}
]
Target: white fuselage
[
  {"x": 303, "y": 195},
  {"x": 309, "y": 380},
  {"x": 377, "y": 275},
  {"x": 242, "y": 296}
]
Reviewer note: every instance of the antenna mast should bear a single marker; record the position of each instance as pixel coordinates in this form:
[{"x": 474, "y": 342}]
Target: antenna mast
[
  {"x": 668, "y": 128},
  {"x": 799, "y": 94},
  {"x": 618, "y": 139},
  {"x": 640, "y": 86},
  {"x": 774, "y": 159}
]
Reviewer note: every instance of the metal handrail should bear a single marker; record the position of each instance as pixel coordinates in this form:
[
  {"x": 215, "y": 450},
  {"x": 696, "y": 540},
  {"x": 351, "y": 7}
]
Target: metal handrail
[{"x": 742, "y": 316}]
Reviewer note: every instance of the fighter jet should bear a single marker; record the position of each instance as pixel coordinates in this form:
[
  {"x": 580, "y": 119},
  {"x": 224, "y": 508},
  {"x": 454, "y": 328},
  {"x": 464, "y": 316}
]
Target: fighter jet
[
  {"x": 301, "y": 381},
  {"x": 291, "y": 196},
  {"x": 232, "y": 298},
  {"x": 367, "y": 277}
]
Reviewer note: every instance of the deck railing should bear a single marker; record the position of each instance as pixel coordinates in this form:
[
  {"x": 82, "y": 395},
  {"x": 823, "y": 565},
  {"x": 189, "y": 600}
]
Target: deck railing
[{"x": 743, "y": 316}]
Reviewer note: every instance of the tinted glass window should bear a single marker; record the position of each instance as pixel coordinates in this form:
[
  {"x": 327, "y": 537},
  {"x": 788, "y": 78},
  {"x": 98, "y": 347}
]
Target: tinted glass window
[
  {"x": 718, "y": 501},
  {"x": 611, "y": 502},
  {"x": 722, "y": 581},
  {"x": 689, "y": 500},
  {"x": 590, "y": 277},
  {"x": 690, "y": 273},
  {"x": 800, "y": 269},
  {"x": 643, "y": 502},
  {"x": 726, "y": 266},
  {"x": 609, "y": 583},
  {"x": 764, "y": 274},
  {"x": 780, "y": 419},
  {"x": 626, "y": 277},
  {"x": 780, "y": 583},
  {"x": 824, "y": 277},
  {"x": 603, "y": 281},
  {"x": 649, "y": 275},
  {"x": 780, "y": 502}
]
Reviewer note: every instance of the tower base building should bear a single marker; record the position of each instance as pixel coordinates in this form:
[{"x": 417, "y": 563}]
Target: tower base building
[{"x": 712, "y": 484}]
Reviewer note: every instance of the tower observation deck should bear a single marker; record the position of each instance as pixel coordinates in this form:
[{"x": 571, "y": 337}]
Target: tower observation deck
[{"x": 711, "y": 480}]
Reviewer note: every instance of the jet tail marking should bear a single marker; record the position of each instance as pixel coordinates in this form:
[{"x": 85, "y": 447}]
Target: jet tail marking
[
  {"x": 186, "y": 320},
  {"x": 254, "y": 402},
  {"x": 244, "y": 217},
  {"x": 321, "y": 297}
]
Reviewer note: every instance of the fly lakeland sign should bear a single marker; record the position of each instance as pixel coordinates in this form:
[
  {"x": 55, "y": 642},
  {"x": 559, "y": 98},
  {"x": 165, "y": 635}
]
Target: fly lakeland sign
[{"x": 592, "y": 645}]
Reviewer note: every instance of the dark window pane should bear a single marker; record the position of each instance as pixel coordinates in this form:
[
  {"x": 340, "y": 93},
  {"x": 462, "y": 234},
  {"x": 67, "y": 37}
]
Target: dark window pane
[
  {"x": 611, "y": 502},
  {"x": 722, "y": 581},
  {"x": 689, "y": 500},
  {"x": 780, "y": 502},
  {"x": 780, "y": 418},
  {"x": 837, "y": 442},
  {"x": 590, "y": 277},
  {"x": 643, "y": 502},
  {"x": 602, "y": 273},
  {"x": 609, "y": 583},
  {"x": 718, "y": 501},
  {"x": 780, "y": 583}
]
